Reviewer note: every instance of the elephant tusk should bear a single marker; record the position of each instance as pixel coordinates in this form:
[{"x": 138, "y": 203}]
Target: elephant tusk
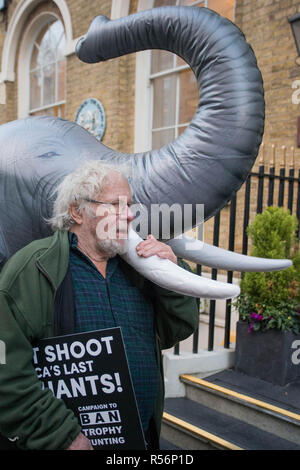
[
  {"x": 202, "y": 253},
  {"x": 170, "y": 276}
]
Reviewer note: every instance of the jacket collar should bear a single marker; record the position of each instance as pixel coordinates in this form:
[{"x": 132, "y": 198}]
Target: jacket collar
[{"x": 54, "y": 261}]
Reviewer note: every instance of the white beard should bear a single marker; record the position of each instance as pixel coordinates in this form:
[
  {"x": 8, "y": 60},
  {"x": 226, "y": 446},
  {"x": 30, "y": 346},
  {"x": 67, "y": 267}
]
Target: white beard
[{"x": 112, "y": 247}]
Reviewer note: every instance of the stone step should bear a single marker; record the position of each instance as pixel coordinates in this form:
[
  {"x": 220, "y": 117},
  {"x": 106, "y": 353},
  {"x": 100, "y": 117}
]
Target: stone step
[
  {"x": 185, "y": 435},
  {"x": 265, "y": 415},
  {"x": 192, "y": 426},
  {"x": 166, "y": 445}
]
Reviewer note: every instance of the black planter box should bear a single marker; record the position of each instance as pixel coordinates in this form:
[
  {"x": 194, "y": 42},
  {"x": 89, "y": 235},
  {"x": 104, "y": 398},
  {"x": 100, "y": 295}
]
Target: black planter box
[{"x": 273, "y": 355}]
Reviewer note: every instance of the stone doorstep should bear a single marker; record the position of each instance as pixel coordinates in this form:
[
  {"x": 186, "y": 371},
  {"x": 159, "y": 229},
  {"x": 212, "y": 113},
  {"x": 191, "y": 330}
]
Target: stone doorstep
[{"x": 203, "y": 364}]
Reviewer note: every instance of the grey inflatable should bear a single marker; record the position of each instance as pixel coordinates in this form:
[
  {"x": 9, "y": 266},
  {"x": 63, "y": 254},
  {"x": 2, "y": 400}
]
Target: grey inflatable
[
  {"x": 205, "y": 165},
  {"x": 214, "y": 155}
]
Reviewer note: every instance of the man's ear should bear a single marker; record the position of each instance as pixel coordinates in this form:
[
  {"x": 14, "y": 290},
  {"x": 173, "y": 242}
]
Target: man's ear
[{"x": 76, "y": 214}]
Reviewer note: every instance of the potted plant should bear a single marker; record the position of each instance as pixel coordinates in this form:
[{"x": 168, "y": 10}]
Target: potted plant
[{"x": 268, "y": 331}]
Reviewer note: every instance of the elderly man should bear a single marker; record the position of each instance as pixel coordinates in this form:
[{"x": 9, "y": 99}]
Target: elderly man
[{"x": 74, "y": 281}]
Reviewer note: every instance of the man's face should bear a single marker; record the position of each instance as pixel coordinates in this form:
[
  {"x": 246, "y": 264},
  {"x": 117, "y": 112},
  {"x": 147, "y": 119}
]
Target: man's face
[{"x": 110, "y": 223}]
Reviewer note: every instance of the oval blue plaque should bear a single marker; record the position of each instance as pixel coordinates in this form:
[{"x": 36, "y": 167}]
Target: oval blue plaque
[{"x": 91, "y": 116}]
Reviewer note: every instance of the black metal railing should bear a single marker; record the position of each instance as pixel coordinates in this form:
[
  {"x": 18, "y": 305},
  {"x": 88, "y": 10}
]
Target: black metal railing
[{"x": 281, "y": 189}]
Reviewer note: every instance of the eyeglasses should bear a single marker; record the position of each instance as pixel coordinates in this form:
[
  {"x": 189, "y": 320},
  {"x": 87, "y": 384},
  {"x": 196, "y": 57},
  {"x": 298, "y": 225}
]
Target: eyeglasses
[{"x": 116, "y": 208}]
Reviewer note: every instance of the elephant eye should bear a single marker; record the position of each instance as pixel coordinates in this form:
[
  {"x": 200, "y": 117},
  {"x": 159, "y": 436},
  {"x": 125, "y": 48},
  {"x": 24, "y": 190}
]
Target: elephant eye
[{"x": 48, "y": 155}]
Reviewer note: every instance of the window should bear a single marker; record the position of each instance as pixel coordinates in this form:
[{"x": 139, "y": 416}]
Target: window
[
  {"x": 48, "y": 71},
  {"x": 173, "y": 84}
]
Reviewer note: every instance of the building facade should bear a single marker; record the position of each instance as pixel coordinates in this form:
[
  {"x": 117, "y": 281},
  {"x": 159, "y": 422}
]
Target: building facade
[
  {"x": 149, "y": 97},
  {"x": 40, "y": 73}
]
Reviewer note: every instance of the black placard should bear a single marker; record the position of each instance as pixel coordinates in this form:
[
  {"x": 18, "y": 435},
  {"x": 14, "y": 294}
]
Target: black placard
[{"x": 90, "y": 372}]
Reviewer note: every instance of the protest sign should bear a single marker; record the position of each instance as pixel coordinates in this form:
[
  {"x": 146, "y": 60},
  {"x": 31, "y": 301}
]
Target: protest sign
[{"x": 90, "y": 372}]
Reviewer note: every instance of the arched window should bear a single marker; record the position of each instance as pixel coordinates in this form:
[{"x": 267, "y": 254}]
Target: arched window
[
  {"x": 173, "y": 84},
  {"x": 47, "y": 71}
]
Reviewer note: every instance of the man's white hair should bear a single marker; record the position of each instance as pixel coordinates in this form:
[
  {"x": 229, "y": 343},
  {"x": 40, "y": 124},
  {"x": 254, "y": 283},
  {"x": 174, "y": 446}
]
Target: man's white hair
[{"x": 81, "y": 184}]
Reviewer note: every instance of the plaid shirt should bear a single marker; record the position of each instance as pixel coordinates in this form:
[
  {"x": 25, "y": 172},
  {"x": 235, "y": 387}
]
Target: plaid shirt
[{"x": 114, "y": 301}]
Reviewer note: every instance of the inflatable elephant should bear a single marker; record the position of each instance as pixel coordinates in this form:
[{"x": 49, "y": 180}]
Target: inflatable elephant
[{"x": 204, "y": 165}]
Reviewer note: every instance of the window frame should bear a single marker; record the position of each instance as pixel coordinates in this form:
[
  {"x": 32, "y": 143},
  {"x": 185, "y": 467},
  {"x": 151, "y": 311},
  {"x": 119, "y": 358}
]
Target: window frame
[
  {"x": 24, "y": 66},
  {"x": 144, "y": 89},
  {"x": 175, "y": 70},
  {"x": 56, "y": 102}
]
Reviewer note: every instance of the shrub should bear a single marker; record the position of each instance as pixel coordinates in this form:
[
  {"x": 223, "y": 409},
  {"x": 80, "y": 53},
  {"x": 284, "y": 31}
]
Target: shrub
[{"x": 272, "y": 299}]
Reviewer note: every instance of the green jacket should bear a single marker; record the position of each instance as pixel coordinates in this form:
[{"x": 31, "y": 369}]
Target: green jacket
[{"x": 28, "y": 283}]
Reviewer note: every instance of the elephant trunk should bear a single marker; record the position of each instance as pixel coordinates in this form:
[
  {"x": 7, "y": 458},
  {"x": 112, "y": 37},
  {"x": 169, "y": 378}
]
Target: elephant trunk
[{"x": 211, "y": 159}]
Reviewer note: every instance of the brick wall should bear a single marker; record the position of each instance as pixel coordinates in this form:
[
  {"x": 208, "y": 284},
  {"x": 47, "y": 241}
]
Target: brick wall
[
  {"x": 265, "y": 26},
  {"x": 267, "y": 29},
  {"x": 111, "y": 82}
]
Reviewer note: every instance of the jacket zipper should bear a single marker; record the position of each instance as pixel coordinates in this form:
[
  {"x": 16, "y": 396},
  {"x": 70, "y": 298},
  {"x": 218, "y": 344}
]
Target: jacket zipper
[
  {"x": 46, "y": 275},
  {"x": 52, "y": 287}
]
